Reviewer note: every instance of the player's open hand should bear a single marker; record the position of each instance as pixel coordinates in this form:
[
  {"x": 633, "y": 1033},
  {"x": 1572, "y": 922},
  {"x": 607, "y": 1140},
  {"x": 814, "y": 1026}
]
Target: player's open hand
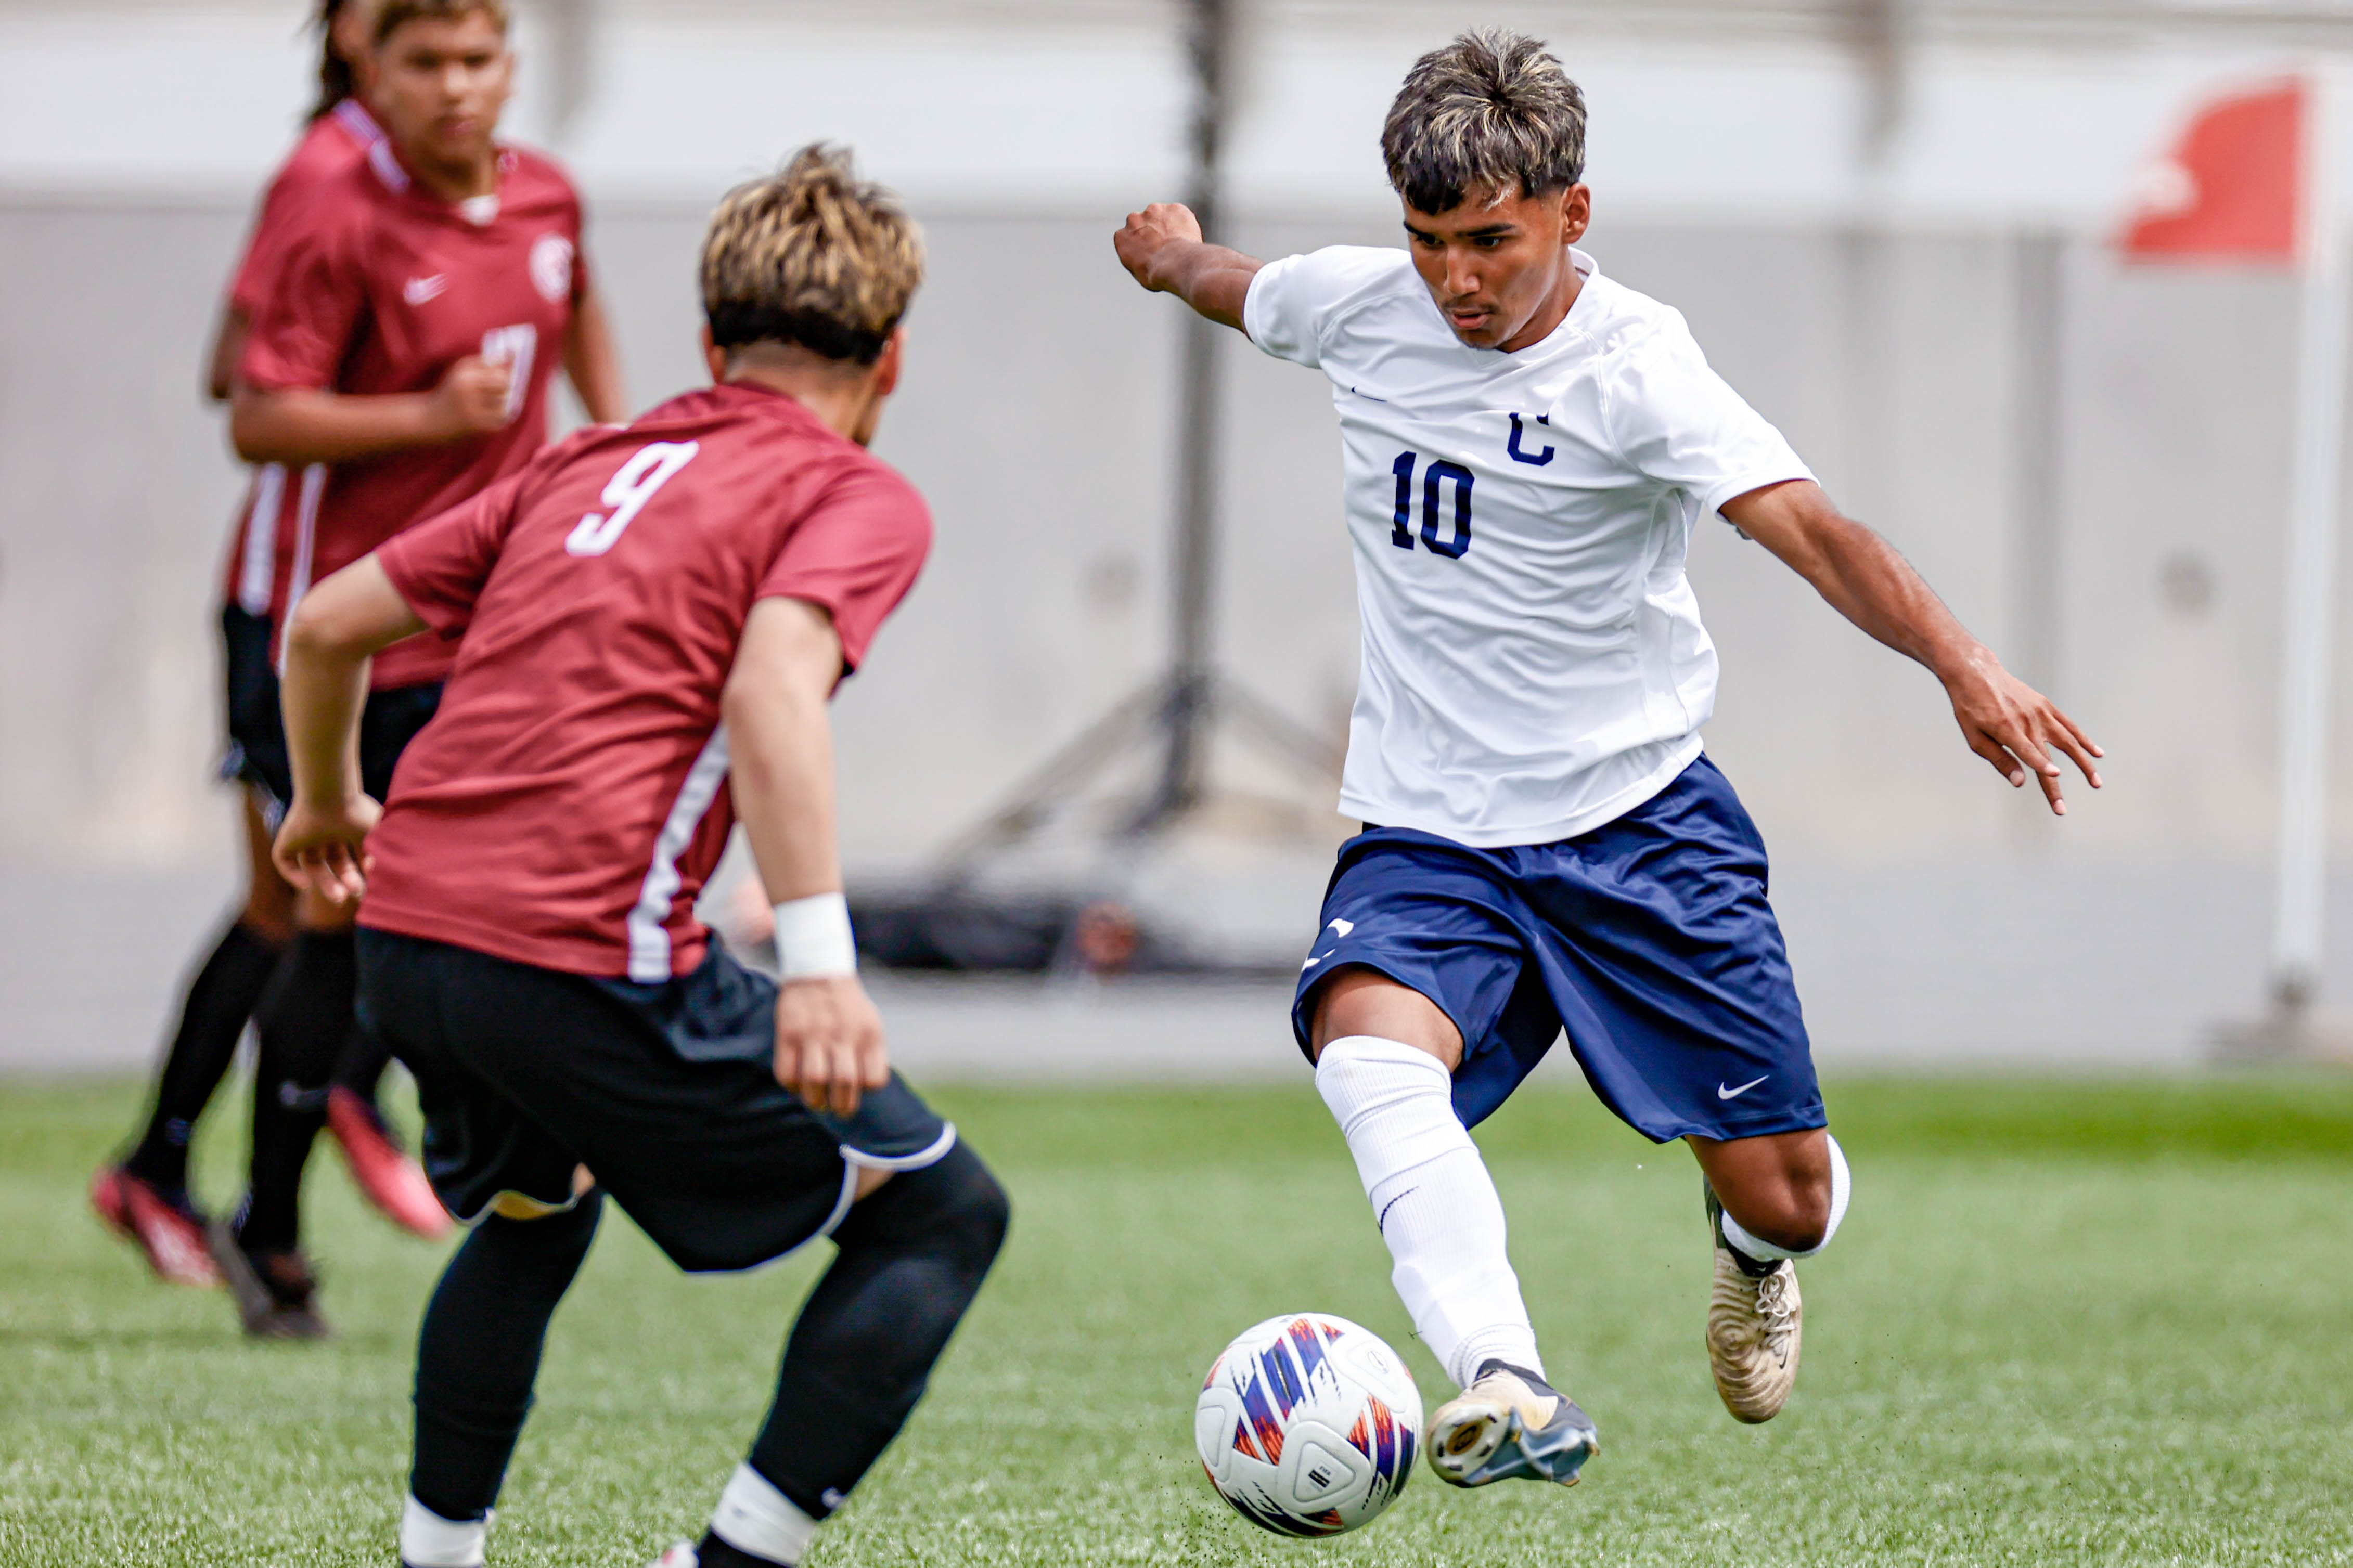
[
  {"x": 829, "y": 1042},
  {"x": 472, "y": 397},
  {"x": 323, "y": 848},
  {"x": 1146, "y": 235},
  {"x": 2019, "y": 730}
]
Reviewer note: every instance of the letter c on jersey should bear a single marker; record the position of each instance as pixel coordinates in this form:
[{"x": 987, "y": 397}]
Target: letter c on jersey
[{"x": 1541, "y": 459}]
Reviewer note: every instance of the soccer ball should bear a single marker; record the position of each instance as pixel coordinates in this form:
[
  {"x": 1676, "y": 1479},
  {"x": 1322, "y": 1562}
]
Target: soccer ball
[{"x": 1307, "y": 1424}]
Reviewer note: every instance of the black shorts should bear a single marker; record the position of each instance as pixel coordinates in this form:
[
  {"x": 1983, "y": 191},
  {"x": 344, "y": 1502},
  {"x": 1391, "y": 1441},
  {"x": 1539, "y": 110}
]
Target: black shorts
[
  {"x": 666, "y": 1092},
  {"x": 256, "y": 728}
]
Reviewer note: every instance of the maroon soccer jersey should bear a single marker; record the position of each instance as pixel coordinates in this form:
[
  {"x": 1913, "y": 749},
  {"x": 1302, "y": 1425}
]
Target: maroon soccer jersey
[
  {"x": 382, "y": 287},
  {"x": 570, "y": 796},
  {"x": 334, "y": 143}
]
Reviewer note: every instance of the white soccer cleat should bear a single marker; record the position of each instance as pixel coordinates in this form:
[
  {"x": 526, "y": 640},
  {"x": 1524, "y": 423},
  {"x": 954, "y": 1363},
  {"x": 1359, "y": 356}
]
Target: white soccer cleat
[
  {"x": 681, "y": 1555},
  {"x": 1754, "y": 1324},
  {"x": 1509, "y": 1424}
]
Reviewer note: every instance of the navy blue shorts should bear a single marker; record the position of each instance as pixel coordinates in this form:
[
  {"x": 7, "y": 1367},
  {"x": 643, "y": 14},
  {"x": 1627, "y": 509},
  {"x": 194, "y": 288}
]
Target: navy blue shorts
[{"x": 1649, "y": 940}]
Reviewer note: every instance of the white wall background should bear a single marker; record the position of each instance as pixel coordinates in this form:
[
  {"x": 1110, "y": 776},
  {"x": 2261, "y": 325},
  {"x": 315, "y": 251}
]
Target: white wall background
[{"x": 1871, "y": 305}]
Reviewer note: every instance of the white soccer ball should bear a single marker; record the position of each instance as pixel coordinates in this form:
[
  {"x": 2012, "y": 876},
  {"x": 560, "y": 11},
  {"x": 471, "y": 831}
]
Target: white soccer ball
[{"x": 1308, "y": 1425}]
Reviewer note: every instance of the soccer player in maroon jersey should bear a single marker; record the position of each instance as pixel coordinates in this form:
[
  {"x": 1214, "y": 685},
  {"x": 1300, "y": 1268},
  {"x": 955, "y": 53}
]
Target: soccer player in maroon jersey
[
  {"x": 145, "y": 1194},
  {"x": 648, "y": 623},
  {"x": 405, "y": 348}
]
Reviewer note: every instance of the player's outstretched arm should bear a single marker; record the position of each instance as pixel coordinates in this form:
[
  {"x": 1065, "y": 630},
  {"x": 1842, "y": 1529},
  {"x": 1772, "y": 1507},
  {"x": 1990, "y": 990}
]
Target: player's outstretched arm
[
  {"x": 2005, "y": 722},
  {"x": 1163, "y": 248},
  {"x": 339, "y": 624},
  {"x": 780, "y": 770}
]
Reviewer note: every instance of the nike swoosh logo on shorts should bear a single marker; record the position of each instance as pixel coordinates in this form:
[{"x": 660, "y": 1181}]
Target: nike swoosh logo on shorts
[{"x": 1724, "y": 1093}]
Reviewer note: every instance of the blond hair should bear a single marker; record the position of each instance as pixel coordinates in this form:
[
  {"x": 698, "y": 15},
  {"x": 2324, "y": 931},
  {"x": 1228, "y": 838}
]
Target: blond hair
[
  {"x": 812, "y": 255},
  {"x": 1491, "y": 113},
  {"x": 394, "y": 14}
]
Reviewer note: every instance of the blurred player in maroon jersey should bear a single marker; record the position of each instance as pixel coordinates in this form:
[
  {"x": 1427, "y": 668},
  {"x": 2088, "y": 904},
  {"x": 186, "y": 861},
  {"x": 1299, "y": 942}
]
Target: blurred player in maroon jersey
[
  {"x": 647, "y": 624},
  {"x": 145, "y": 1197},
  {"x": 420, "y": 306}
]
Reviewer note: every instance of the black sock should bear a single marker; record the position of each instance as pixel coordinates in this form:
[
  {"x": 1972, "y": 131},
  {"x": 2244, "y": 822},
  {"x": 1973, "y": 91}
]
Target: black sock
[
  {"x": 912, "y": 1257},
  {"x": 478, "y": 1352},
  {"x": 360, "y": 1068},
  {"x": 303, "y": 1021},
  {"x": 220, "y": 999},
  {"x": 712, "y": 1552}
]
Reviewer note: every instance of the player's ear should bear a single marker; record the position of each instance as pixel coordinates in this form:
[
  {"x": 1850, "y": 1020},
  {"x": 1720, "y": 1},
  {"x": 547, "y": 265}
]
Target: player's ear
[
  {"x": 1575, "y": 212},
  {"x": 886, "y": 368},
  {"x": 713, "y": 356}
]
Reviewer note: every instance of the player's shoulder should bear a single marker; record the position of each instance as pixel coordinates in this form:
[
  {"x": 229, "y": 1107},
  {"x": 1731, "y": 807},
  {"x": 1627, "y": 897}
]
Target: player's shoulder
[
  {"x": 534, "y": 179},
  {"x": 771, "y": 434},
  {"x": 1312, "y": 307},
  {"x": 342, "y": 206},
  {"x": 330, "y": 145},
  {"x": 1340, "y": 278},
  {"x": 1623, "y": 323}
]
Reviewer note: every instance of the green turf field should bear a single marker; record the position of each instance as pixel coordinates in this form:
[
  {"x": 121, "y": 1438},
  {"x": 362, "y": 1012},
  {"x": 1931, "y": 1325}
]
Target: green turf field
[{"x": 2065, "y": 1323}]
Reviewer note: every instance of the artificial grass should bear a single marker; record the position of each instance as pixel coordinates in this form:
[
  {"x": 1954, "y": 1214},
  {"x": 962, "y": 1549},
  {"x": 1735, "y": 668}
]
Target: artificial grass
[{"x": 2065, "y": 1323}]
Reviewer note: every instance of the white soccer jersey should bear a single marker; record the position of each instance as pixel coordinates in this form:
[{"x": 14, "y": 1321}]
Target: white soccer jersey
[{"x": 1534, "y": 664}]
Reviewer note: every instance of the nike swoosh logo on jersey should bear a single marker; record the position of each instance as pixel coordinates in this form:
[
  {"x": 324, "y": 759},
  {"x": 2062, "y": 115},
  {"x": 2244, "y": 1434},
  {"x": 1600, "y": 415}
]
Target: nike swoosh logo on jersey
[
  {"x": 418, "y": 291},
  {"x": 1313, "y": 962},
  {"x": 1724, "y": 1093}
]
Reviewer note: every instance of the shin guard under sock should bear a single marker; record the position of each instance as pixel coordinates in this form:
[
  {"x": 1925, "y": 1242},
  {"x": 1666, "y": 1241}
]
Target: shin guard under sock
[
  {"x": 1434, "y": 1201},
  {"x": 478, "y": 1352},
  {"x": 913, "y": 1255},
  {"x": 303, "y": 1021},
  {"x": 220, "y": 999}
]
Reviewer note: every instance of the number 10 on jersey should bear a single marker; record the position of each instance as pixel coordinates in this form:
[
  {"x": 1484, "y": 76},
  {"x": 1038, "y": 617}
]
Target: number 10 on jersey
[{"x": 1440, "y": 472}]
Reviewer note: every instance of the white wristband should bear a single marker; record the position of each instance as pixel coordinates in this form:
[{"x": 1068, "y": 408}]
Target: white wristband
[{"x": 813, "y": 937}]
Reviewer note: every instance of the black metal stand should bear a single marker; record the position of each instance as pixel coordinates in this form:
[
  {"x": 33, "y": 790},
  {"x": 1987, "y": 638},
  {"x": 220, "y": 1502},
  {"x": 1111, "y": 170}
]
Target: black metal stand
[{"x": 1178, "y": 712}]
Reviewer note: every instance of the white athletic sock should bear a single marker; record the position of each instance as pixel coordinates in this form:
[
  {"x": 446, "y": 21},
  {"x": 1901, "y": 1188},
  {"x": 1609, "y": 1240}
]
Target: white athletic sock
[
  {"x": 1765, "y": 1251},
  {"x": 1434, "y": 1200},
  {"x": 428, "y": 1541},
  {"x": 753, "y": 1516}
]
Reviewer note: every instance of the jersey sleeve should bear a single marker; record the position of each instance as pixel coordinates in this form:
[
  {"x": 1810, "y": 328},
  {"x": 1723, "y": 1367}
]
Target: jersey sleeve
[
  {"x": 1292, "y": 303},
  {"x": 263, "y": 247},
  {"x": 307, "y": 318},
  {"x": 855, "y": 555},
  {"x": 1677, "y": 422},
  {"x": 440, "y": 566}
]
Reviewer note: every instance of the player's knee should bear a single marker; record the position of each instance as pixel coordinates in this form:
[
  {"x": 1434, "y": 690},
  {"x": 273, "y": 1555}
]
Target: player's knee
[
  {"x": 979, "y": 1211},
  {"x": 1804, "y": 1219},
  {"x": 1796, "y": 1213},
  {"x": 954, "y": 1205}
]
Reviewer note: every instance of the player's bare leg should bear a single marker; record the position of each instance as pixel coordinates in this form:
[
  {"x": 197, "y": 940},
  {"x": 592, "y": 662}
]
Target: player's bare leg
[
  {"x": 1385, "y": 1054},
  {"x": 1770, "y": 1200}
]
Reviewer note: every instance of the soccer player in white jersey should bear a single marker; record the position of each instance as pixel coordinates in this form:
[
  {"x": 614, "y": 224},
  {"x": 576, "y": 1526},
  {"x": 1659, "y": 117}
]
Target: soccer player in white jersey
[{"x": 1528, "y": 448}]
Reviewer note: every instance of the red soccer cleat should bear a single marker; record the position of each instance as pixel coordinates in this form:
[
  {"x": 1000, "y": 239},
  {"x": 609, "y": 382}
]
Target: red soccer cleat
[
  {"x": 392, "y": 1181},
  {"x": 172, "y": 1236}
]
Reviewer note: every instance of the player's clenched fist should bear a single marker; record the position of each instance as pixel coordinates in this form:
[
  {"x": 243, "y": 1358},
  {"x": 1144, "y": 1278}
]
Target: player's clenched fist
[
  {"x": 1149, "y": 233},
  {"x": 472, "y": 397},
  {"x": 829, "y": 1042}
]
